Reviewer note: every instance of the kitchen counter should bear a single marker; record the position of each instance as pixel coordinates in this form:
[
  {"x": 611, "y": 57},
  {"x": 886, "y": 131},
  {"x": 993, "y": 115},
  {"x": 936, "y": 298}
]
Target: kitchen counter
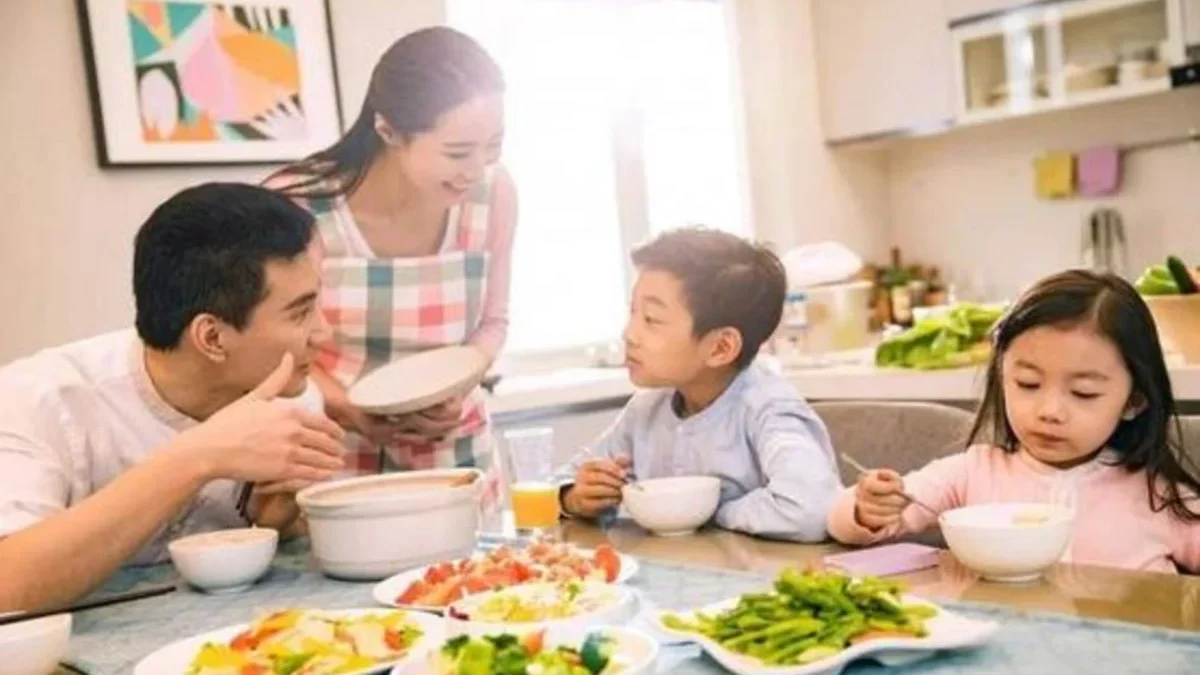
[{"x": 592, "y": 388}]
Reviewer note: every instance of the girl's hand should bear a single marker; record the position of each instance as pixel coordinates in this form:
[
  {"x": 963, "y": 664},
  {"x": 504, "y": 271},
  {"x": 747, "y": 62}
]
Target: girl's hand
[{"x": 879, "y": 499}]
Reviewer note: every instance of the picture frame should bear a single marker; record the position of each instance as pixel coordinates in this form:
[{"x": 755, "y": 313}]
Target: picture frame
[{"x": 206, "y": 82}]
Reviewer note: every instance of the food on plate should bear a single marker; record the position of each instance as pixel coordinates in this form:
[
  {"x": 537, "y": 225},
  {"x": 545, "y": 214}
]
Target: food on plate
[
  {"x": 952, "y": 340},
  {"x": 809, "y": 616},
  {"x": 1170, "y": 278},
  {"x": 528, "y": 655},
  {"x": 537, "y": 603},
  {"x": 503, "y": 567},
  {"x": 300, "y": 642}
]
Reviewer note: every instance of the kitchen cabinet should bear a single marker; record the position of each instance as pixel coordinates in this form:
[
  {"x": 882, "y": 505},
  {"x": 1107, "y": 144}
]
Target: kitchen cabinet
[
  {"x": 1191, "y": 23},
  {"x": 957, "y": 10},
  {"x": 883, "y": 67},
  {"x": 1059, "y": 55}
]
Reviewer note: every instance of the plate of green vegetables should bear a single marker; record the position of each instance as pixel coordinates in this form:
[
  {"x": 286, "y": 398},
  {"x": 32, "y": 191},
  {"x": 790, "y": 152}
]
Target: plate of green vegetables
[{"x": 816, "y": 622}]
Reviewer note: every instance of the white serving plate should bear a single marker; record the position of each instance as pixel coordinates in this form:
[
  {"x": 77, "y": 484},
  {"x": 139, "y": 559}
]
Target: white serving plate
[
  {"x": 947, "y": 631},
  {"x": 386, "y": 591},
  {"x": 174, "y": 659}
]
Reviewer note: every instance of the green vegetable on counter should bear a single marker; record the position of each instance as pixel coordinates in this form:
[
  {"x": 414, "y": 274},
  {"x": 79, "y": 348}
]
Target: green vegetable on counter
[
  {"x": 809, "y": 616},
  {"x": 955, "y": 339},
  {"x": 1171, "y": 278}
]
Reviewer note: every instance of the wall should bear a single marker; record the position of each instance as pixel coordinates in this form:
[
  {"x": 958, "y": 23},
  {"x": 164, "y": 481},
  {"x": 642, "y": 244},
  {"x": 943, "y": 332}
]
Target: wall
[
  {"x": 65, "y": 250},
  {"x": 965, "y": 200},
  {"x": 801, "y": 191}
]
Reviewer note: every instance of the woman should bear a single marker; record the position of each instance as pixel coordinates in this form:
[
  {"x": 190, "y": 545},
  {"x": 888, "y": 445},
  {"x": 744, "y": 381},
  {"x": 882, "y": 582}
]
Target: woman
[{"x": 416, "y": 221}]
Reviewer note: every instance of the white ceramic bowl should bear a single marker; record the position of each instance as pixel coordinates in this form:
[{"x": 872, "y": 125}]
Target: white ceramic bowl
[
  {"x": 620, "y": 606},
  {"x": 34, "y": 647},
  {"x": 373, "y": 527},
  {"x": 672, "y": 506},
  {"x": 1008, "y": 542},
  {"x": 225, "y": 561},
  {"x": 637, "y": 650}
]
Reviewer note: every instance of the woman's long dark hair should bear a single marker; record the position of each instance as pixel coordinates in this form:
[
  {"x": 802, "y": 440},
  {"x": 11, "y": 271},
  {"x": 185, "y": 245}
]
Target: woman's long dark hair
[
  {"x": 421, "y": 76},
  {"x": 1152, "y": 441}
]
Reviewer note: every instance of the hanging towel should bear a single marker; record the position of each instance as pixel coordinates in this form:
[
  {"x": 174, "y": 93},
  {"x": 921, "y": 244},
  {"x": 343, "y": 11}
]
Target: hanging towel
[
  {"x": 1055, "y": 175},
  {"x": 1099, "y": 171}
]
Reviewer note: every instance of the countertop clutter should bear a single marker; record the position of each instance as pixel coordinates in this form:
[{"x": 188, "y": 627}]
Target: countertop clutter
[{"x": 848, "y": 376}]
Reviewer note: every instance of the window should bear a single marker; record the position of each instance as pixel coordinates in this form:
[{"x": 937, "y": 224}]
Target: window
[{"x": 620, "y": 124}]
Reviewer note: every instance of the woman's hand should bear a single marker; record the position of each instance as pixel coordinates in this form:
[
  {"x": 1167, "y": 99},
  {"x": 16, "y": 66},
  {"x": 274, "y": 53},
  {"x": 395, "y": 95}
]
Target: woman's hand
[
  {"x": 349, "y": 416},
  {"x": 423, "y": 426},
  {"x": 429, "y": 425}
]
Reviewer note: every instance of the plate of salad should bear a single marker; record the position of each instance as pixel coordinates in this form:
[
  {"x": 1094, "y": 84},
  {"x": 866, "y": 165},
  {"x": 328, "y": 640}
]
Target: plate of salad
[
  {"x": 535, "y": 606},
  {"x": 302, "y": 642},
  {"x": 605, "y": 651},
  {"x": 815, "y": 622}
]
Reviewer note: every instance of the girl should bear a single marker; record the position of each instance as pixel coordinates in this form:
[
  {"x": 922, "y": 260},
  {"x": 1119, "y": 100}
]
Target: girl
[
  {"x": 416, "y": 223},
  {"x": 1079, "y": 409}
]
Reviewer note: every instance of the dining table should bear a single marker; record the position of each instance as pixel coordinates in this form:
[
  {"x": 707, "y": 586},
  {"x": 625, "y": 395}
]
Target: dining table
[{"x": 1098, "y": 620}]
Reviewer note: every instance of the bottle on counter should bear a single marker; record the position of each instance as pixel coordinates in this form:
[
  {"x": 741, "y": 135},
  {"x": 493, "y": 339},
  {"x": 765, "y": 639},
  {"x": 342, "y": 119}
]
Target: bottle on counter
[
  {"x": 896, "y": 279},
  {"x": 937, "y": 295}
]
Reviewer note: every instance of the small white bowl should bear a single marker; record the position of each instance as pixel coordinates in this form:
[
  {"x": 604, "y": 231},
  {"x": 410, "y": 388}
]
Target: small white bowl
[
  {"x": 1008, "y": 542},
  {"x": 34, "y": 647},
  {"x": 225, "y": 561},
  {"x": 672, "y": 507},
  {"x": 373, "y": 527},
  {"x": 622, "y": 608}
]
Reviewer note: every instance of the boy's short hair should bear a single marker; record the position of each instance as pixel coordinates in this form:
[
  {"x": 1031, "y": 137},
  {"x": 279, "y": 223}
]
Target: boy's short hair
[
  {"x": 727, "y": 282},
  {"x": 205, "y": 250}
]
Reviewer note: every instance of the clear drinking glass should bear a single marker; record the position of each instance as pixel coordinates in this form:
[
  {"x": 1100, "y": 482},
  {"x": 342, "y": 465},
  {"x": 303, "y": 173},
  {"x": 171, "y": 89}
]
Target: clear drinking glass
[{"x": 532, "y": 489}]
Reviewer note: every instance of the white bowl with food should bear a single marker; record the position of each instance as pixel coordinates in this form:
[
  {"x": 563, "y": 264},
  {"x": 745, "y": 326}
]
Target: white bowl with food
[
  {"x": 532, "y": 607},
  {"x": 608, "y": 650},
  {"x": 1014, "y": 542},
  {"x": 225, "y": 561},
  {"x": 671, "y": 507},
  {"x": 373, "y": 527},
  {"x": 34, "y": 647}
]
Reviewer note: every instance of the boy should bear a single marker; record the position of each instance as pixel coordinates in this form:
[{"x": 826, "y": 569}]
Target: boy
[{"x": 703, "y": 304}]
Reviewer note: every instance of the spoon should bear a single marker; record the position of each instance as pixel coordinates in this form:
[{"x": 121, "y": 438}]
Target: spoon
[{"x": 862, "y": 470}]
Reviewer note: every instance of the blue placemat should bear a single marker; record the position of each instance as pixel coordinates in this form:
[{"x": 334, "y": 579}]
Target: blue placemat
[{"x": 111, "y": 640}]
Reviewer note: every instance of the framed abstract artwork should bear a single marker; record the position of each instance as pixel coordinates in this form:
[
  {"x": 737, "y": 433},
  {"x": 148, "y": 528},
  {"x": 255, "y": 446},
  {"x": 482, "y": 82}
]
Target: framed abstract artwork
[{"x": 187, "y": 82}]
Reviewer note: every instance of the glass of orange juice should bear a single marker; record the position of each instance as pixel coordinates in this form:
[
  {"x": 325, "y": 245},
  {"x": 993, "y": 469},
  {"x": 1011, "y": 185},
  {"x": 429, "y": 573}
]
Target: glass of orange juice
[{"x": 533, "y": 491}]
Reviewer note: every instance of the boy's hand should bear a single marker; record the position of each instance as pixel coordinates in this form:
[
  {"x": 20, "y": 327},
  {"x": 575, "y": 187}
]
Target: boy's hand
[
  {"x": 597, "y": 487},
  {"x": 878, "y": 499}
]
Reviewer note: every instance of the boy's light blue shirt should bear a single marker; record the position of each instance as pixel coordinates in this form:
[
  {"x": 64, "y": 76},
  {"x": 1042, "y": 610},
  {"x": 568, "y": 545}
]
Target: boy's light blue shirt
[{"x": 772, "y": 453}]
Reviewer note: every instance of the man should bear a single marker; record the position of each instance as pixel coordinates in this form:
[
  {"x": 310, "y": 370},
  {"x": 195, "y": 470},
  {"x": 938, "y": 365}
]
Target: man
[{"x": 112, "y": 446}]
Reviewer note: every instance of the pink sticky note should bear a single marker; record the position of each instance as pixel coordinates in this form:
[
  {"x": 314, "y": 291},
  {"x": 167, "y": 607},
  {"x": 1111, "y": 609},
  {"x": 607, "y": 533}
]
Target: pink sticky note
[
  {"x": 882, "y": 561},
  {"x": 1098, "y": 171}
]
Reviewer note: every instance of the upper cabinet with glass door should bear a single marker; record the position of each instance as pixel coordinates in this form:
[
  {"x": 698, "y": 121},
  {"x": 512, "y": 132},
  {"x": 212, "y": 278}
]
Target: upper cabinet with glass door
[{"x": 1055, "y": 55}]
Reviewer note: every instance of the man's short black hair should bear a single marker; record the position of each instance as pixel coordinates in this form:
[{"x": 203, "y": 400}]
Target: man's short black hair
[
  {"x": 727, "y": 282},
  {"x": 205, "y": 250}
]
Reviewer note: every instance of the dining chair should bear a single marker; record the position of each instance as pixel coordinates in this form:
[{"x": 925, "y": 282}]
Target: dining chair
[{"x": 903, "y": 436}]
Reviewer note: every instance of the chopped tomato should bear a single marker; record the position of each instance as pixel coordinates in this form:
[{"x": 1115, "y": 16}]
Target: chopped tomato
[
  {"x": 534, "y": 642},
  {"x": 243, "y": 642},
  {"x": 608, "y": 560},
  {"x": 438, "y": 573},
  {"x": 414, "y": 591},
  {"x": 253, "y": 669},
  {"x": 522, "y": 572},
  {"x": 248, "y": 641},
  {"x": 394, "y": 639},
  {"x": 476, "y": 584},
  {"x": 444, "y": 593}
]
